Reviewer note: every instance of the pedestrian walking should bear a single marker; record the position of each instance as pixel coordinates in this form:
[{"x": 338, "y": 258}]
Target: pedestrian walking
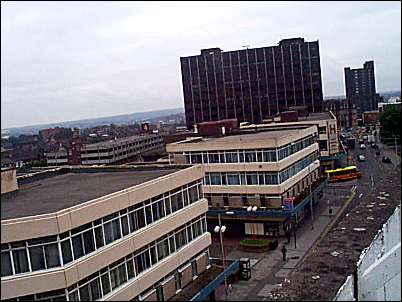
[{"x": 284, "y": 250}]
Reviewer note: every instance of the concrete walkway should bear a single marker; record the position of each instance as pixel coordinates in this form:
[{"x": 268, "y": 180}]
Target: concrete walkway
[
  {"x": 390, "y": 152},
  {"x": 269, "y": 269}
]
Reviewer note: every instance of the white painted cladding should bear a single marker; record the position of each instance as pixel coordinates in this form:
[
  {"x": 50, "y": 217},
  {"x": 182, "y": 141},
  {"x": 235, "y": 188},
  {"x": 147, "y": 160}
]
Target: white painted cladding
[{"x": 379, "y": 266}]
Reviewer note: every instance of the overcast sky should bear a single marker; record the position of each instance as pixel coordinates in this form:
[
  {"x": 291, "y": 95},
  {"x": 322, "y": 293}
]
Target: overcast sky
[{"x": 67, "y": 61}]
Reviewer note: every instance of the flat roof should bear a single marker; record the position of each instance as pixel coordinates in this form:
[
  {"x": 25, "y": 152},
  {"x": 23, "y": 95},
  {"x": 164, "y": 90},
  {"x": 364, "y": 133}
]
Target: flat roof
[
  {"x": 247, "y": 137},
  {"x": 218, "y": 49},
  {"x": 316, "y": 116},
  {"x": 64, "y": 190},
  {"x": 250, "y": 137}
]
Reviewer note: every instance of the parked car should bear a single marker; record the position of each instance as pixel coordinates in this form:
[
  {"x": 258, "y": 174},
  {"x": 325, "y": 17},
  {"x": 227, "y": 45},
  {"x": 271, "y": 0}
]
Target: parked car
[
  {"x": 373, "y": 145},
  {"x": 386, "y": 159},
  {"x": 365, "y": 137},
  {"x": 361, "y": 141},
  {"x": 377, "y": 152},
  {"x": 361, "y": 158},
  {"x": 363, "y": 146}
]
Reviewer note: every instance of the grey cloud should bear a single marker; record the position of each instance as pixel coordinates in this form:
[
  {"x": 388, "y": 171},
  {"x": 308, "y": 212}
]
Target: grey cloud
[{"x": 72, "y": 60}]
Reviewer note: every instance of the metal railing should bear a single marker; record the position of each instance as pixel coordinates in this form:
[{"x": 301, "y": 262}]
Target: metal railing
[
  {"x": 269, "y": 213},
  {"x": 207, "y": 290}
]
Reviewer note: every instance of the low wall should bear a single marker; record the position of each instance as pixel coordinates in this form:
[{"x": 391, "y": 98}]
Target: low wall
[{"x": 8, "y": 181}]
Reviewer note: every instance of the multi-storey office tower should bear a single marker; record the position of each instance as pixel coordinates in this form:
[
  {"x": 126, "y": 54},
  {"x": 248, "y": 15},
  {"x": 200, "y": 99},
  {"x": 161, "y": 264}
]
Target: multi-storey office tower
[
  {"x": 117, "y": 233},
  {"x": 259, "y": 169},
  {"x": 328, "y": 144},
  {"x": 251, "y": 84},
  {"x": 360, "y": 87}
]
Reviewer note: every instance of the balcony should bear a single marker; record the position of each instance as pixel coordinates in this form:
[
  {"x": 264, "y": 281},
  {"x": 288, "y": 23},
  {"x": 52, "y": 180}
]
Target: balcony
[{"x": 300, "y": 201}]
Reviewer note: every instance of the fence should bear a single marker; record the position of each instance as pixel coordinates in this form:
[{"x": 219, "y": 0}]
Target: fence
[{"x": 207, "y": 290}]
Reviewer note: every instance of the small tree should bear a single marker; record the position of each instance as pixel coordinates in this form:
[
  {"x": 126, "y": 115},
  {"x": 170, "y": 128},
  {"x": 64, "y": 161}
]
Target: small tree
[{"x": 390, "y": 121}]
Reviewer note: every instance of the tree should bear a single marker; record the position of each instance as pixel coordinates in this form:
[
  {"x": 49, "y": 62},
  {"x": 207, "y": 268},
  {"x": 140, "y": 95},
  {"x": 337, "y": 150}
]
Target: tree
[{"x": 390, "y": 121}]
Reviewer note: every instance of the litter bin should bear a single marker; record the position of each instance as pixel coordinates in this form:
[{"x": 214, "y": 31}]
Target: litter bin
[{"x": 245, "y": 268}]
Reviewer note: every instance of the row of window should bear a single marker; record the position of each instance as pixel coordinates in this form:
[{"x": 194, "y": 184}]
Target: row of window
[
  {"x": 126, "y": 153},
  {"x": 269, "y": 64},
  {"x": 241, "y": 178},
  {"x": 109, "y": 278},
  {"x": 297, "y": 166},
  {"x": 95, "y": 154},
  {"x": 258, "y": 178},
  {"x": 125, "y": 149},
  {"x": 128, "y": 144},
  {"x": 255, "y": 76},
  {"x": 159, "y": 290},
  {"x": 53, "y": 251},
  {"x": 248, "y": 156}
]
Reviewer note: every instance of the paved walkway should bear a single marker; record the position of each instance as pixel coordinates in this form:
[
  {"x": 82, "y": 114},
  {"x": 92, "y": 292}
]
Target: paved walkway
[
  {"x": 390, "y": 152},
  {"x": 269, "y": 269}
]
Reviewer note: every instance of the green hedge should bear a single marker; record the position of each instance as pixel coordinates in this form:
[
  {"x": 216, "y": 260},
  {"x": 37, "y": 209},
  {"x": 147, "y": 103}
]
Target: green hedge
[{"x": 254, "y": 243}]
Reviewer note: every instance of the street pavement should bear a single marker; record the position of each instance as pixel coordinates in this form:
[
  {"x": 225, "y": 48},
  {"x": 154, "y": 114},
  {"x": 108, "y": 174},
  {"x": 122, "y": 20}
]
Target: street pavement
[
  {"x": 390, "y": 152},
  {"x": 319, "y": 276},
  {"x": 269, "y": 269}
]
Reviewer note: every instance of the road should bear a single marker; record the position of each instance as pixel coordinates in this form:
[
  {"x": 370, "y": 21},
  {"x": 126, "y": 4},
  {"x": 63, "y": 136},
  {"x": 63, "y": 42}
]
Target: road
[
  {"x": 320, "y": 274},
  {"x": 373, "y": 170}
]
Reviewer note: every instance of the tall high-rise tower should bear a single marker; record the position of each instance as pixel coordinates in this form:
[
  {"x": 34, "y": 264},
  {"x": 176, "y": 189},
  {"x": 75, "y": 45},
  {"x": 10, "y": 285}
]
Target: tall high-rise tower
[
  {"x": 251, "y": 84},
  {"x": 360, "y": 87}
]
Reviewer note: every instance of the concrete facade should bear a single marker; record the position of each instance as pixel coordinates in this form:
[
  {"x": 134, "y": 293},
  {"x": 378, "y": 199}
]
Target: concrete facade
[
  {"x": 148, "y": 232},
  {"x": 8, "y": 180},
  {"x": 326, "y": 123},
  {"x": 276, "y": 165},
  {"x": 111, "y": 151}
]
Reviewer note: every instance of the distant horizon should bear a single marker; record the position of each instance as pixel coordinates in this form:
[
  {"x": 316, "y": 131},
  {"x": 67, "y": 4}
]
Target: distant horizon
[
  {"x": 90, "y": 118},
  {"x": 139, "y": 112}
]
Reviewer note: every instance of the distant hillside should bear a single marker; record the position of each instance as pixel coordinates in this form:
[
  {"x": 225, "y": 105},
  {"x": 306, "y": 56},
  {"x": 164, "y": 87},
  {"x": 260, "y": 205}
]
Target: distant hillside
[
  {"x": 334, "y": 97},
  {"x": 86, "y": 123},
  {"x": 385, "y": 94}
]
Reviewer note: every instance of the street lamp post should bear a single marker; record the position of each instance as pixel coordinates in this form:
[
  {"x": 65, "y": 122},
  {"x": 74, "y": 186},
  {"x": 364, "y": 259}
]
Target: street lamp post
[
  {"x": 311, "y": 200},
  {"x": 252, "y": 209},
  {"x": 221, "y": 229}
]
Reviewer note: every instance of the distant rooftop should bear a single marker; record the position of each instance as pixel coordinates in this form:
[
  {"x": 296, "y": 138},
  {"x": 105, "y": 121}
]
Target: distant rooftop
[
  {"x": 118, "y": 141},
  {"x": 64, "y": 189},
  {"x": 316, "y": 116},
  {"x": 282, "y": 42}
]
